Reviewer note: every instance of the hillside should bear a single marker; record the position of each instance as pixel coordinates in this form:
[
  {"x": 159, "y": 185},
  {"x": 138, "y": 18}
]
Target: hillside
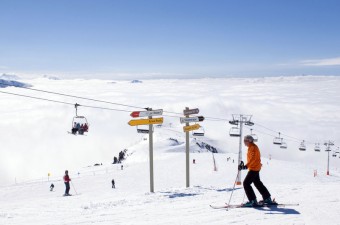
[{"x": 95, "y": 202}]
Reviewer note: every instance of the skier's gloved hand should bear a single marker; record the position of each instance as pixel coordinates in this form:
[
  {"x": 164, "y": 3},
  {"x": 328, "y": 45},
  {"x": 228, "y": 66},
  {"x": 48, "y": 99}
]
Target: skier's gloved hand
[{"x": 242, "y": 166}]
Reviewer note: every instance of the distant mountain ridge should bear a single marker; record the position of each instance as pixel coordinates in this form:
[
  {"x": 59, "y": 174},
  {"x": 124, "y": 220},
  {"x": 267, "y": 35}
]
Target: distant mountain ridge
[
  {"x": 7, "y": 80},
  {"x": 9, "y": 77}
]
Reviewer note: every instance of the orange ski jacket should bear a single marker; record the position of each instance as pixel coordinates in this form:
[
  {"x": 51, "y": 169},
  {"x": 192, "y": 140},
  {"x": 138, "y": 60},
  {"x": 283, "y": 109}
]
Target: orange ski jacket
[{"x": 253, "y": 158}]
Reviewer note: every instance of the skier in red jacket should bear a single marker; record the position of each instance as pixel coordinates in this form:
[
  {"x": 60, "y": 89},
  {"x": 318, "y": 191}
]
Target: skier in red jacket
[{"x": 67, "y": 183}]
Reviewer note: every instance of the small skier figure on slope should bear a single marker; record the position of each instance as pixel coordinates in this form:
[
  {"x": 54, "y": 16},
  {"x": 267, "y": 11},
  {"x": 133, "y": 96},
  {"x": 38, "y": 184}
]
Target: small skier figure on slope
[
  {"x": 67, "y": 183},
  {"x": 52, "y": 187},
  {"x": 254, "y": 166}
]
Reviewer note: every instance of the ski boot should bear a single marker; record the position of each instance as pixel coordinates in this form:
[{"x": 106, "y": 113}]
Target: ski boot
[
  {"x": 252, "y": 203},
  {"x": 268, "y": 201}
]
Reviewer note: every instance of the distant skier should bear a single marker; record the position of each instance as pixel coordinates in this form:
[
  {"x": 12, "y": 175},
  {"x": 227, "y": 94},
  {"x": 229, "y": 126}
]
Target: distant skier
[
  {"x": 67, "y": 183},
  {"x": 51, "y": 187},
  {"x": 113, "y": 183},
  {"x": 253, "y": 176}
]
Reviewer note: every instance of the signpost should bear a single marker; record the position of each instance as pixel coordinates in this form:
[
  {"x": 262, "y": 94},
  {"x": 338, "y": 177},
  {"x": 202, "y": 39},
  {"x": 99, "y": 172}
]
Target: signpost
[
  {"x": 150, "y": 121},
  {"x": 186, "y": 129}
]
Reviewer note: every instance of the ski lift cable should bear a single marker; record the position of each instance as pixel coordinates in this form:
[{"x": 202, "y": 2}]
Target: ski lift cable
[
  {"x": 68, "y": 103},
  {"x": 38, "y": 98},
  {"x": 74, "y": 96},
  {"x": 108, "y": 102},
  {"x": 282, "y": 134},
  {"x": 258, "y": 131},
  {"x": 114, "y": 103},
  {"x": 62, "y": 102}
]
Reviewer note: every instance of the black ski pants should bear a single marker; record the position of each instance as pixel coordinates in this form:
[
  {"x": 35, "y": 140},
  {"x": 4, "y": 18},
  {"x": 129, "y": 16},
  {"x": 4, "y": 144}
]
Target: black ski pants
[
  {"x": 67, "y": 185},
  {"x": 254, "y": 177}
]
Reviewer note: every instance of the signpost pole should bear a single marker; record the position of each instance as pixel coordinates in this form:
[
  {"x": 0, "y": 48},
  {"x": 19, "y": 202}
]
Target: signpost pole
[
  {"x": 151, "y": 154},
  {"x": 187, "y": 154},
  {"x": 239, "y": 182},
  {"x": 328, "y": 164}
]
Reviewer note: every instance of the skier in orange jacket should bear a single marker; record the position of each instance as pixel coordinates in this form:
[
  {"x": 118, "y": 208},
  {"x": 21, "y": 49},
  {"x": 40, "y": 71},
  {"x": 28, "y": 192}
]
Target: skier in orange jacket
[{"x": 254, "y": 166}]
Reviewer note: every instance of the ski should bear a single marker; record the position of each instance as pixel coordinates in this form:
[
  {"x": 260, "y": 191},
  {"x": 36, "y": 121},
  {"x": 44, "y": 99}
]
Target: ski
[{"x": 226, "y": 206}]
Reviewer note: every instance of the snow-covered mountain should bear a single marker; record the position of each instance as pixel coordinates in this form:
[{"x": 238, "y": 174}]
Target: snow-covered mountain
[
  {"x": 6, "y": 83},
  {"x": 7, "y": 80}
]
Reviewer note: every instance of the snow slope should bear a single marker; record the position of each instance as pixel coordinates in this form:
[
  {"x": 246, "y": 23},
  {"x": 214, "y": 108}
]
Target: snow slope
[{"x": 95, "y": 202}]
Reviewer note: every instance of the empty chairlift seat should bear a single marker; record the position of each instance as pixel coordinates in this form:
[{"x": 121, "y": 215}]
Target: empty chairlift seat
[
  {"x": 277, "y": 140},
  {"x": 302, "y": 146},
  {"x": 283, "y": 145},
  {"x": 234, "y": 132},
  {"x": 253, "y": 135},
  {"x": 317, "y": 147}
]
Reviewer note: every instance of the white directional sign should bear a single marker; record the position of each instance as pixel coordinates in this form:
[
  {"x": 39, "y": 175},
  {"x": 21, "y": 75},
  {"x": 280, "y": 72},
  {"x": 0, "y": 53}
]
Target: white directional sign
[
  {"x": 157, "y": 112},
  {"x": 191, "y": 119}
]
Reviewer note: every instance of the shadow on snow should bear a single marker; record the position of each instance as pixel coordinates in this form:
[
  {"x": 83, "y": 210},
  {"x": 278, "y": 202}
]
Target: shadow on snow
[
  {"x": 278, "y": 210},
  {"x": 218, "y": 189},
  {"x": 179, "y": 195}
]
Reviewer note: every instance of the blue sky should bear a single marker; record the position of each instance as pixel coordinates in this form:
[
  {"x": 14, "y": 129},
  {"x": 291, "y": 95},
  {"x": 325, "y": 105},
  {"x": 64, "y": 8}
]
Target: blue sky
[{"x": 168, "y": 38}]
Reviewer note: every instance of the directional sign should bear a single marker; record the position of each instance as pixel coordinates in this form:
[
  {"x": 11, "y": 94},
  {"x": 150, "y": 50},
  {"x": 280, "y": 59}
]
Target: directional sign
[
  {"x": 142, "y": 131},
  {"x": 190, "y": 128},
  {"x": 191, "y": 119},
  {"x": 157, "y": 112},
  {"x": 146, "y": 121},
  {"x": 187, "y": 112}
]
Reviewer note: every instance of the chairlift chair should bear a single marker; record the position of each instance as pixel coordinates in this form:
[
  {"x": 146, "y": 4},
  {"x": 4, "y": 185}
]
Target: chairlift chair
[
  {"x": 199, "y": 132},
  {"x": 253, "y": 135},
  {"x": 317, "y": 147},
  {"x": 334, "y": 154},
  {"x": 302, "y": 146},
  {"x": 283, "y": 145},
  {"x": 277, "y": 140},
  {"x": 235, "y": 132},
  {"x": 79, "y": 123},
  {"x": 233, "y": 122}
]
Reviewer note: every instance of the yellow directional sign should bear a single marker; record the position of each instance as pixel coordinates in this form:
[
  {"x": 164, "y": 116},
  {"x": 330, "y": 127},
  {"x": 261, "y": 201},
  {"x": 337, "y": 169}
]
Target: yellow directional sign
[
  {"x": 146, "y": 121},
  {"x": 190, "y": 128}
]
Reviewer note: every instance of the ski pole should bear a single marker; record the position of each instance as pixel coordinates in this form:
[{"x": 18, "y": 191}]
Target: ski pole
[
  {"x": 74, "y": 188},
  {"x": 233, "y": 188}
]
